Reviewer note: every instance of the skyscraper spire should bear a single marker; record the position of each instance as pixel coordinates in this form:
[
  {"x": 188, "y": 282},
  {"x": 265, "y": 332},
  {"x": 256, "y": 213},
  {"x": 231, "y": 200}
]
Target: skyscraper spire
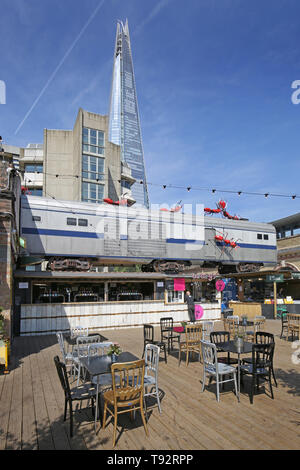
[{"x": 124, "y": 122}]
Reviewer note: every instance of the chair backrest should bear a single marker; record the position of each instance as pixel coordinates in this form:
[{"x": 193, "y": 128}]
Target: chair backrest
[
  {"x": 193, "y": 333},
  {"x": 148, "y": 332},
  {"x": 61, "y": 343},
  {"x": 262, "y": 337},
  {"x": 219, "y": 337},
  {"x": 128, "y": 381},
  {"x": 79, "y": 331},
  {"x": 166, "y": 323},
  {"x": 98, "y": 349},
  {"x": 232, "y": 325},
  {"x": 63, "y": 376},
  {"x": 209, "y": 356},
  {"x": 82, "y": 343},
  {"x": 293, "y": 318},
  {"x": 207, "y": 328},
  {"x": 262, "y": 354},
  {"x": 152, "y": 359},
  {"x": 259, "y": 321}
]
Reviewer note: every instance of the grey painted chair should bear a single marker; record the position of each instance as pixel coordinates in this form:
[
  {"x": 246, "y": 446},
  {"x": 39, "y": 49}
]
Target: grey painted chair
[
  {"x": 70, "y": 359},
  {"x": 214, "y": 369},
  {"x": 151, "y": 372},
  {"x": 82, "y": 348}
]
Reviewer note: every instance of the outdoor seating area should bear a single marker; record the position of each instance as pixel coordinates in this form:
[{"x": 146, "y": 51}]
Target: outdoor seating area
[{"x": 67, "y": 391}]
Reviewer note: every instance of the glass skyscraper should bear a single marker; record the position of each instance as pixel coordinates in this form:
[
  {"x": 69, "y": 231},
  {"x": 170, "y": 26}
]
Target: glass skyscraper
[{"x": 124, "y": 122}]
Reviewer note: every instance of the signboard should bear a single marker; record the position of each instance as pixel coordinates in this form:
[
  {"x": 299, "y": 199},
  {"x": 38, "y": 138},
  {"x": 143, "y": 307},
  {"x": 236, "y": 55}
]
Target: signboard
[
  {"x": 295, "y": 275},
  {"x": 275, "y": 278},
  {"x": 220, "y": 285},
  {"x": 23, "y": 285},
  {"x": 198, "y": 312},
  {"x": 179, "y": 284},
  {"x": 160, "y": 284}
]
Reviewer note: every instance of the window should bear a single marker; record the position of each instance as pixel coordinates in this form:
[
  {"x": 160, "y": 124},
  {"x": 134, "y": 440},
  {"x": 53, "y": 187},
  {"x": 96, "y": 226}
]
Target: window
[
  {"x": 37, "y": 218},
  {"x": 92, "y": 192},
  {"x": 93, "y": 141},
  {"x": 266, "y": 237},
  {"x": 71, "y": 221},
  {"x": 35, "y": 191},
  {"x": 82, "y": 222},
  {"x": 175, "y": 296},
  {"x": 33, "y": 168},
  {"x": 92, "y": 168},
  {"x": 259, "y": 236}
]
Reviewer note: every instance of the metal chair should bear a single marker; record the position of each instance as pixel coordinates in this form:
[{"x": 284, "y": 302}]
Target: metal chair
[
  {"x": 70, "y": 359},
  {"x": 215, "y": 369},
  {"x": 167, "y": 333},
  {"x": 79, "y": 331},
  {"x": 192, "y": 343},
  {"x": 82, "y": 392},
  {"x": 258, "y": 322},
  {"x": 207, "y": 328},
  {"x": 127, "y": 394},
  {"x": 151, "y": 372},
  {"x": 261, "y": 366},
  {"x": 82, "y": 349},
  {"x": 149, "y": 339}
]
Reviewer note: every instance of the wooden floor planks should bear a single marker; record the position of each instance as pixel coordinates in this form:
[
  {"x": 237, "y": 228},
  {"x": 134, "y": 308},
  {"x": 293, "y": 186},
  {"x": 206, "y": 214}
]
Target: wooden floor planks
[{"x": 32, "y": 405}]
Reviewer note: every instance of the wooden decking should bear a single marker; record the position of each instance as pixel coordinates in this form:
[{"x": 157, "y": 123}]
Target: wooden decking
[{"x": 32, "y": 403}]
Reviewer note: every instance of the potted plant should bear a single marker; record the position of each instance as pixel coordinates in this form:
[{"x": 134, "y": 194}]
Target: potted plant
[
  {"x": 183, "y": 324},
  {"x": 114, "y": 351}
]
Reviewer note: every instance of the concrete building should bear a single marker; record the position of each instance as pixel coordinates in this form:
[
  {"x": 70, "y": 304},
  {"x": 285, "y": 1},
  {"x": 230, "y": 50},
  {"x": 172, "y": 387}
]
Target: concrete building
[
  {"x": 288, "y": 241},
  {"x": 82, "y": 165},
  {"x": 74, "y": 165}
]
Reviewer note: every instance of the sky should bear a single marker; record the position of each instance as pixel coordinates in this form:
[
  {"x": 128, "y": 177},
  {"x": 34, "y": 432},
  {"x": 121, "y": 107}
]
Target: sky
[{"x": 214, "y": 86}]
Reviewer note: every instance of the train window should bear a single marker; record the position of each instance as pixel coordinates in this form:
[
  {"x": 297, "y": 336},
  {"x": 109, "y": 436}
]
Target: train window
[
  {"x": 83, "y": 222},
  {"x": 266, "y": 237},
  {"x": 36, "y": 218},
  {"x": 71, "y": 221},
  {"x": 259, "y": 236}
]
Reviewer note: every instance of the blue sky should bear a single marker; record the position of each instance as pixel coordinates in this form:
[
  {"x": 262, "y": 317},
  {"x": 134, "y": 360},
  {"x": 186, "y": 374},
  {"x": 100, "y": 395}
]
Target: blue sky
[{"x": 213, "y": 81}]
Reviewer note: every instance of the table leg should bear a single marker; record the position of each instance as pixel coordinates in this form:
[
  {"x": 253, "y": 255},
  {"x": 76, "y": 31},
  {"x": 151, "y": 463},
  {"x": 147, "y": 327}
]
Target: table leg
[{"x": 239, "y": 377}]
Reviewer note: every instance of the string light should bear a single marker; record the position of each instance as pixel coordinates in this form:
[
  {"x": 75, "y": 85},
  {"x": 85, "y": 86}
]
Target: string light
[{"x": 188, "y": 188}]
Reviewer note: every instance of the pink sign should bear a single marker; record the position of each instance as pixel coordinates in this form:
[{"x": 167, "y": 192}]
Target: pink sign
[
  {"x": 220, "y": 285},
  {"x": 179, "y": 284},
  {"x": 198, "y": 312}
]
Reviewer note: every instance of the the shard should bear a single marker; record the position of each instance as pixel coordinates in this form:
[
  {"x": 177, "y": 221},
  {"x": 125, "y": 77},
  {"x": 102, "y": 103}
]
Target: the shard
[{"x": 124, "y": 121}]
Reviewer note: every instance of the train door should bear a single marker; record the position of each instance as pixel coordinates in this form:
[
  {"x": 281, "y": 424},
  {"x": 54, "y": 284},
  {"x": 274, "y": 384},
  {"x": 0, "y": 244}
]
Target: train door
[{"x": 210, "y": 244}]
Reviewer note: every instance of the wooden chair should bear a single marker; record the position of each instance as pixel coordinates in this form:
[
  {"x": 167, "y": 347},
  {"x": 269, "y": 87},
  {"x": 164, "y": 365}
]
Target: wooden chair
[
  {"x": 149, "y": 339},
  {"x": 127, "y": 394},
  {"x": 231, "y": 324},
  {"x": 192, "y": 343},
  {"x": 258, "y": 323},
  {"x": 261, "y": 366},
  {"x": 293, "y": 325}
]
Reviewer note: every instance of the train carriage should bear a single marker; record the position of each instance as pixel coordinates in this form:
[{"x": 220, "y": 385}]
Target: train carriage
[{"x": 76, "y": 235}]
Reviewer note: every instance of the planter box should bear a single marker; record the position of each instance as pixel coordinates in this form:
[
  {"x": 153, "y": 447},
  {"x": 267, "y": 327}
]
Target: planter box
[{"x": 4, "y": 354}]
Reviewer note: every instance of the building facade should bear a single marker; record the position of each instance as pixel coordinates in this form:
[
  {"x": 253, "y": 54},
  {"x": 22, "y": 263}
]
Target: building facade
[{"x": 124, "y": 121}]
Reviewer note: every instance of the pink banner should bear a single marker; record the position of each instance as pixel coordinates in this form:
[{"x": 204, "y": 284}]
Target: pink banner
[
  {"x": 179, "y": 284},
  {"x": 220, "y": 285},
  {"x": 198, "y": 312}
]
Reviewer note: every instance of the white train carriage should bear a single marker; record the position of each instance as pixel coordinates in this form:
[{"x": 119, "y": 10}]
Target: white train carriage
[{"x": 74, "y": 235}]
